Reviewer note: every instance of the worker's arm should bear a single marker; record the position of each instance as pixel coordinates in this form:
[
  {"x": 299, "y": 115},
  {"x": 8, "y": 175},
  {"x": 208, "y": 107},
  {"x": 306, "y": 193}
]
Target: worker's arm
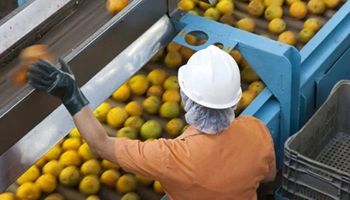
[{"x": 95, "y": 134}]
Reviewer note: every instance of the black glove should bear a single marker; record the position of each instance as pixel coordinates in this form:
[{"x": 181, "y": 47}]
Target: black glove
[{"x": 58, "y": 82}]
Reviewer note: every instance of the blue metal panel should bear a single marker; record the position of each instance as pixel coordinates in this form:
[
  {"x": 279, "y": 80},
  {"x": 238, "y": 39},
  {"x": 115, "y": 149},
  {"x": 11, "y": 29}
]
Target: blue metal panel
[{"x": 275, "y": 63}]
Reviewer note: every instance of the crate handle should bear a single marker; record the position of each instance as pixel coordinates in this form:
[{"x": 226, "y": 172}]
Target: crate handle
[{"x": 319, "y": 176}]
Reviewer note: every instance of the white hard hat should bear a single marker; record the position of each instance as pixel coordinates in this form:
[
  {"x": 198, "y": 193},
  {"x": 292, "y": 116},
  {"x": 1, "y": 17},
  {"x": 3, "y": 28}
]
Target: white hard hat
[{"x": 211, "y": 78}]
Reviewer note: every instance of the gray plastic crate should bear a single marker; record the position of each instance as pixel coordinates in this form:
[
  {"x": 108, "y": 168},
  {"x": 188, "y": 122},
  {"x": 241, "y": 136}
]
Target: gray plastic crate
[{"x": 317, "y": 159}]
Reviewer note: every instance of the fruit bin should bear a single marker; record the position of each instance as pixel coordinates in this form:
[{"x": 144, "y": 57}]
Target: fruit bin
[{"x": 316, "y": 164}]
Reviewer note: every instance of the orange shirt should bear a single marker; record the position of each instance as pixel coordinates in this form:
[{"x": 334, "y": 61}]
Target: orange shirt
[{"x": 197, "y": 166}]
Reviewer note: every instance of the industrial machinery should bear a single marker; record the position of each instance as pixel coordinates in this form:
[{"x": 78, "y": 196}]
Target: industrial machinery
[{"x": 105, "y": 50}]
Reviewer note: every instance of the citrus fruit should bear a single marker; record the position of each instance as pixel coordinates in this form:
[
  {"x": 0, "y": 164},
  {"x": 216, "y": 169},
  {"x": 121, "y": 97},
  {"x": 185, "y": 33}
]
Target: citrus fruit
[
  {"x": 331, "y": 3},
  {"x": 173, "y": 59},
  {"x": 71, "y": 144},
  {"x": 236, "y": 55},
  {"x": 122, "y": 93},
  {"x": 29, "y": 176},
  {"x": 53, "y": 167},
  {"x": 157, "y": 187},
  {"x": 7, "y": 196},
  {"x": 173, "y": 46},
  {"x": 273, "y": 11},
  {"x": 256, "y": 8},
  {"x": 247, "y": 97},
  {"x": 70, "y": 157},
  {"x": 32, "y": 54},
  {"x": 114, "y": 6},
  {"x": 28, "y": 191},
  {"x": 298, "y": 10},
  {"x": 246, "y": 24},
  {"x": 313, "y": 24},
  {"x": 130, "y": 196},
  {"x": 69, "y": 176},
  {"x": 40, "y": 163},
  {"x": 93, "y": 197},
  {"x": 138, "y": 84},
  {"x": 305, "y": 35},
  {"x": 74, "y": 133},
  {"x": 126, "y": 183},
  {"x": 92, "y": 167},
  {"x": 171, "y": 95},
  {"x": 54, "y": 153},
  {"x": 134, "y": 122},
  {"x": 158, "y": 56},
  {"x": 256, "y": 86},
  {"x": 316, "y": 6},
  {"x": 225, "y": 7},
  {"x": 273, "y": 2},
  {"x": 143, "y": 180},
  {"x": 151, "y": 129},
  {"x": 47, "y": 183},
  {"x": 109, "y": 177},
  {"x": 290, "y": 2},
  {"x": 157, "y": 76},
  {"x": 89, "y": 185},
  {"x": 152, "y": 104},
  {"x": 133, "y": 108},
  {"x": 249, "y": 75},
  {"x": 186, "y": 5},
  {"x": 169, "y": 110},
  {"x": 54, "y": 196},
  {"x": 155, "y": 90},
  {"x": 203, "y": 5},
  {"x": 287, "y": 37},
  {"x": 116, "y": 117},
  {"x": 186, "y": 53},
  {"x": 127, "y": 132},
  {"x": 174, "y": 127},
  {"x": 171, "y": 83},
  {"x": 85, "y": 152},
  {"x": 277, "y": 25},
  {"x": 109, "y": 165},
  {"x": 191, "y": 39},
  {"x": 212, "y": 13},
  {"x": 102, "y": 110}
]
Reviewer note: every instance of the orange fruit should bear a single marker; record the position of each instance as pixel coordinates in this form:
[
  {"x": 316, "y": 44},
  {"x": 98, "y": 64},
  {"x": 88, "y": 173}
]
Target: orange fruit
[
  {"x": 273, "y": 11},
  {"x": 212, "y": 13},
  {"x": 237, "y": 56},
  {"x": 109, "y": 177},
  {"x": 256, "y": 8},
  {"x": 305, "y": 35},
  {"x": 169, "y": 110},
  {"x": 155, "y": 90},
  {"x": 298, "y": 10},
  {"x": 126, "y": 183},
  {"x": 246, "y": 24},
  {"x": 277, "y": 25},
  {"x": 171, "y": 95},
  {"x": 133, "y": 108},
  {"x": 122, "y": 93},
  {"x": 174, "y": 127},
  {"x": 313, "y": 24},
  {"x": 287, "y": 37},
  {"x": 138, "y": 84},
  {"x": 114, "y": 6},
  {"x": 316, "y": 6},
  {"x": 151, "y": 129},
  {"x": 152, "y": 104},
  {"x": 173, "y": 60}
]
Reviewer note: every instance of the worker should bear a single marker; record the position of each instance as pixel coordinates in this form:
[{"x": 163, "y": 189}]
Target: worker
[{"x": 217, "y": 157}]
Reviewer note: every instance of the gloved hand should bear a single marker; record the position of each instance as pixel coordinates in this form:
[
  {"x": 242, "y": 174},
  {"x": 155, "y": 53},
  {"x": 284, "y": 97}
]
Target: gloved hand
[{"x": 58, "y": 82}]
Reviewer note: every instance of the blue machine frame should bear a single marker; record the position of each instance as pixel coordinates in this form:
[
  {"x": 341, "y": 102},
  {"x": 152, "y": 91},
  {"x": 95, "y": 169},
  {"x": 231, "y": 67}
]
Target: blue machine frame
[{"x": 277, "y": 65}]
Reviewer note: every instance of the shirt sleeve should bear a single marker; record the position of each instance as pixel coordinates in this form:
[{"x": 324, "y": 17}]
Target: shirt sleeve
[
  {"x": 270, "y": 150},
  {"x": 149, "y": 158}
]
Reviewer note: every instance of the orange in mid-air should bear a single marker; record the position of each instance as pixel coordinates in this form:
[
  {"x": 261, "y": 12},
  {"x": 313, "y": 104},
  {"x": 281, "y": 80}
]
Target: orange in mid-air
[
  {"x": 114, "y": 6},
  {"x": 28, "y": 56}
]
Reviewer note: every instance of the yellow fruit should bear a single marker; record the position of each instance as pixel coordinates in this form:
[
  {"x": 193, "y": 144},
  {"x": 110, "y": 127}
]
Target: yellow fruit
[
  {"x": 273, "y": 11},
  {"x": 109, "y": 177},
  {"x": 47, "y": 183},
  {"x": 174, "y": 127},
  {"x": 122, "y": 93},
  {"x": 85, "y": 152},
  {"x": 244, "y": 64},
  {"x": 7, "y": 196},
  {"x": 116, "y": 117},
  {"x": 186, "y": 5},
  {"x": 171, "y": 95},
  {"x": 237, "y": 56},
  {"x": 186, "y": 53},
  {"x": 71, "y": 144},
  {"x": 191, "y": 39},
  {"x": 109, "y": 165},
  {"x": 247, "y": 97},
  {"x": 155, "y": 90},
  {"x": 114, "y": 6},
  {"x": 127, "y": 132},
  {"x": 92, "y": 167},
  {"x": 277, "y": 25},
  {"x": 246, "y": 24},
  {"x": 305, "y": 35},
  {"x": 54, "y": 196},
  {"x": 54, "y": 153},
  {"x": 134, "y": 122},
  {"x": 227, "y": 19},
  {"x": 171, "y": 83},
  {"x": 144, "y": 180},
  {"x": 28, "y": 191},
  {"x": 316, "y": 6},
  {"x": 53, "y": 167},
  {"x": 256, "y": 86},
  {"x": 151, "y": 129},
  {"x": 225, "y": 7},
  {"x": 212, "y": 13},
  {"x": 331, "y": 3},
  {"x": 93, "y": 197},
  {"x": 273, "y": 2},
  {"x": 157, "y": 56},
  {"x": 203, "y": 5},
  {"x": 298, "y": 10},
  {"x": 130, "y": 196},
  {"x": 138, "y": 84},
  {"x": 157, "y": 187},
  {"x": 74, "y": 133},
  {"x": 133, "y": 108},
  {"x": 29, "y": 176},
  {"x": 70, "y": 176},
  {"x": 312, "y": 24},
  {"x": 173, "y": 46},
  {"x": 249, "y": 75},
  {"x": 256, "y": 8},
  {"x": 152, "y": 104},
  {"x": 89, "y": 185},
  {"x": 287, "y": 37},
  {"x": 173, "y": 60},
  {"x": 126, "y": 183},
  {"x": 290, "y": 2},
  {"x": 40, "y": 163},
  {"x": 157, "y": 76},
  {"x": 70, "y": 157},
  {"x": 102, "y": 110},
  {"x": 169, "y": 110}
]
